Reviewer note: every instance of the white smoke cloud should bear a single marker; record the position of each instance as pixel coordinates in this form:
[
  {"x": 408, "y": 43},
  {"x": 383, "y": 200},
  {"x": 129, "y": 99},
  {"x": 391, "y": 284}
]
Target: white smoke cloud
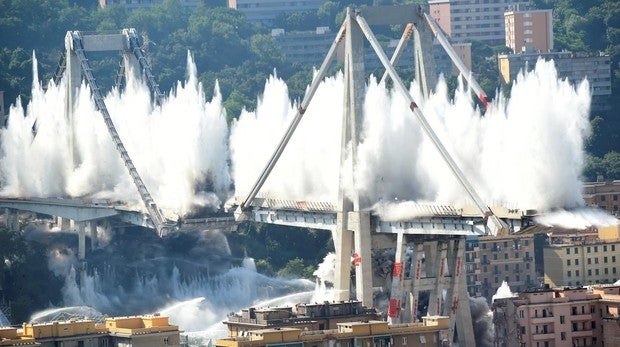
[
  {"x": 178, "y": 148},
  {"x": 527, "y": 151}
]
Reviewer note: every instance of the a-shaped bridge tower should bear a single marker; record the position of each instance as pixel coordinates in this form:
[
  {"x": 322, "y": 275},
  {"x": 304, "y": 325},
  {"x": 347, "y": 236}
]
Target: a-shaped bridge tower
[
  {"x": 75, "y": 65},
  {"x": 437, "y": 240}
]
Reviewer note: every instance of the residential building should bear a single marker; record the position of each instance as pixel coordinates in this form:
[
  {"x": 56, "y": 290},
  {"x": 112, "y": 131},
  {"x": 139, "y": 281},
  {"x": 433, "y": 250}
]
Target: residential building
[
  {"x": 559, "y": 317},
  {"x": 134, "y": 4},
  {"x": 266, "y": 11},
  {"x": 605, "y": 195},
  {"x": 305, "y": 47},
  {"x": 609, "y": 313},
  {"x": 481, "y": 20},
  {"x": 323, "y": 316},
  {"x": 583, "y": 262},
  {"x": 572, "y": 66},
  {"x": 143, "y": 331},
  {"x": 490, "y": 260},
  {"x": 430, "y": 332},
  {"x": 11, "y": 337},
  {"x": 529, "y": 31},
  {"x": 71, "y": 333}
]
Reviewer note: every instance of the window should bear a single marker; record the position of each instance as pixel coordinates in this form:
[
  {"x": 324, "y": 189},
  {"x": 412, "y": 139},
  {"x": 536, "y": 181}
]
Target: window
[
  {"x": 613, "y": 248},
  {"x": 567, "y": 250},
  {"x": 595, "y": 249},
  {"x": 505, "y": 255},
  {"x": 422, "y": 339},
  {"x": 589, "y": 261},
  {"x": 577, "y": 273},
  {"x": 166, "y": 342},
  {"x": 604, "y": 248},
  {"x": 576, "y": 250},
  {"x": 568, "y": 273},
  {"x": 576, "y": 261},
  {"x": 404, "y": 340},
  {"x": 562, "y": 320},
  {"x": 506, "y": 267},
  {"x": 588, "y": 249},
  {"x": 521, "y": 314},
  {"x": 595, "y": 260},
  {"x": 589, "y": 272},
  {"x": 563, "y": 336},
  {"x": 596, "y": 272},
  {"x": 567, "y": 262}
]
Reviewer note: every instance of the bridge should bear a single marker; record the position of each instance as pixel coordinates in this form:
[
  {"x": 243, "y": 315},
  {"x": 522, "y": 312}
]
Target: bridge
[{"x": 435, "y": 235}]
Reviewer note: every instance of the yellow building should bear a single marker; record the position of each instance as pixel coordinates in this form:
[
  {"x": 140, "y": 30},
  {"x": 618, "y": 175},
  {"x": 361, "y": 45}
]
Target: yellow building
[
  {"x": 10, "y": 337},
  {"x": 71, "y": 333},
  {"x": 430, "y": 332},
  {"x": 582, "y": 264},
  {"x": 146, "y": 331},
  {"x": 143, "y": 331}
]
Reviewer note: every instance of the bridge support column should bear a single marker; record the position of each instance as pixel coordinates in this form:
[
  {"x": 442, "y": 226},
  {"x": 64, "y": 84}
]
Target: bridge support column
[
  {"x": 362, "y": 258},
  {"x": 396, "y": 293},
  {"x": 11, "y": 219},
  {"x": 416, "y": 274},
  {"x": 439, "y": 272},
  {"x": 81, "y": 229},
  {"x": 73, "y": 80},
  {"x": 459, "y": 310},
  {"x": 343, "y": 242},
  {"x": 93, "y": 234}
]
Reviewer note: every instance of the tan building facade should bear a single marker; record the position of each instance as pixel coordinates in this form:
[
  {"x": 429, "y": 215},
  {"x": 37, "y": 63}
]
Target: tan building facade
[
  {"x": 141, "y": 331},
  {"x": 529, "y": 31},
  {"x": 491, "y": 260},
  {"x": 582, "y": 264},
  {"x": 477, "y": 20},
  {"x": 605, "y": 195},
  {"x": 430, "y": 332}
]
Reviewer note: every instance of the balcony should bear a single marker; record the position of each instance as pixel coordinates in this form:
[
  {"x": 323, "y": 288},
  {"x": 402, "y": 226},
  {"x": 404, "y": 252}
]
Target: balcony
[
  {"x": 543, "y": 320},
  {"x": 581, "y": 333},
  {"x": 580, "y": 317},
  {"x": 543, "y": 336}
]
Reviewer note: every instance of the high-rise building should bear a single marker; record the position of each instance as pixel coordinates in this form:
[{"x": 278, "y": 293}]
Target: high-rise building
[
  {"x": 490, "y": 260},
  {"x": 265, "y": 11},
  {"x": 529, "y": 31},
  {"x": 481, "y": 20},
  {"x": 559, "y": 317}
]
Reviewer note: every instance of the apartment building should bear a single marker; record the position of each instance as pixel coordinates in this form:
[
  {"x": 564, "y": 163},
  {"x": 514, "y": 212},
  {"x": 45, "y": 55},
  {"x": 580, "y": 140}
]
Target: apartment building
[
  {"x": 605, "y": 195},
  {"x": 481, "y": 20},
  {"x": 491, "y": 260},
  {"x": 529, "y": 31},
  {"x": 323, "y": 316},
  {"x": 141, "y": 331},
  {"x": 559, "y": 317},
  {"x": 10, "y": 337},
  {"x": 134, "y": 4},
  {"x": 582, "y": 263},
  {"x": 572, "y": 66},
  {"x": 265, "y": 11},
  {"x": 430, "y": 332}
]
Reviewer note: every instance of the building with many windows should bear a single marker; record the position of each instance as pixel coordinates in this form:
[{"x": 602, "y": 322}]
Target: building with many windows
[
  {"x": 430, "y": 332},
  {"x": 490, "y": 260},
  {"x": 572, "y": 66},
  {"x": 605, "y": 195},
  {"x": 481, "y": 20},
  {"x": 265, "y": 11},
  {"x": 529, "y": 31},
  {"x": 141, "y": 331},
  {"x": 133, "y": 4},
  {"x": 559, "y": 317},
  {"x": 583, "y": 262}
]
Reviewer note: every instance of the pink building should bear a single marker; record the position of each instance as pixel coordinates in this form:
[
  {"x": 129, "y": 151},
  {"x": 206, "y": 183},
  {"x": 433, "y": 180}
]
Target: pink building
[
  {"x": 529, "y": 30},
  {"x": 559, "y": 318}
]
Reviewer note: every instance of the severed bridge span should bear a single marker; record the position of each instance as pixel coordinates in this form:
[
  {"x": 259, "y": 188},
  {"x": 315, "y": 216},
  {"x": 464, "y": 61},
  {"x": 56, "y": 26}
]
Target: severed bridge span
[{"x": 435, "y": 239}]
